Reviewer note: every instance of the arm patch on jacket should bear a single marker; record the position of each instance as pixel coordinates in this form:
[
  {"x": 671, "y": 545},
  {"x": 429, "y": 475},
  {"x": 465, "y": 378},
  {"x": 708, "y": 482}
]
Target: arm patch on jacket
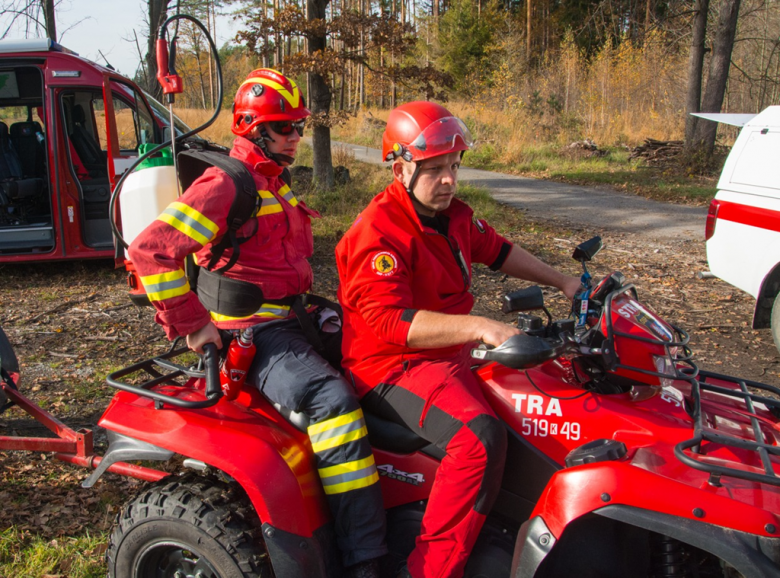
[{"x": 384, "y": 263}]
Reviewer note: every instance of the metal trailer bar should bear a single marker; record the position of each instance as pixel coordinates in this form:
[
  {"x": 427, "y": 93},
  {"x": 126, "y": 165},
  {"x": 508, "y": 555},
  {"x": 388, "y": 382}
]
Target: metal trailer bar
[{"x": 70, "y": 446}]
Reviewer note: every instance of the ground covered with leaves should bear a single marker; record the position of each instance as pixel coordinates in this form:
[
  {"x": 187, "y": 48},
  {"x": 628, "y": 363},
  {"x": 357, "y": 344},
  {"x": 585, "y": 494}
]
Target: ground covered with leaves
[{"x": 72, "y": 324}]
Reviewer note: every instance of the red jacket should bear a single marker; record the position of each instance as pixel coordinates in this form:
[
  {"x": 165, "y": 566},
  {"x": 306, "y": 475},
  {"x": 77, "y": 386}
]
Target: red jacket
[
  {"x": 275, "y": 258},
  {"x": 391, "y": 265}
]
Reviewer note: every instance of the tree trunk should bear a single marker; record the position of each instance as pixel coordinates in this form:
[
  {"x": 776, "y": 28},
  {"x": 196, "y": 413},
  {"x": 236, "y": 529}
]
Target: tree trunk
[
  {"x": 319, "y": 99},
  {"x": 48, "y": 14},
  {"x": 718, "y": 75},
  {"x": 158, "y": 10},
  {"x": 695, "y": 70},
  {"x": 529, "y": 12},
  {"x": 213, "y": 33}
]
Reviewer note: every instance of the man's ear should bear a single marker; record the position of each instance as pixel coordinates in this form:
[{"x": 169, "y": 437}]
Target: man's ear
[{"x": 398, "y": 172}]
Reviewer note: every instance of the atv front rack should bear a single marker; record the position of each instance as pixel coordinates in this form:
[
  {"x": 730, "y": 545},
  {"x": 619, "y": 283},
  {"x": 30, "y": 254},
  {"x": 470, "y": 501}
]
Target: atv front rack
[
  {"x": 208, "y": 369},
  {"x": 703, "y": 434}
]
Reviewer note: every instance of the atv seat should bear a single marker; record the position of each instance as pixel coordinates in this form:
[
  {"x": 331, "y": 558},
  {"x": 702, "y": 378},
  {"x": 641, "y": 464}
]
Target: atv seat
[
  {"x": 383, "y": 434},
  {"x": 393, "y": 437}
]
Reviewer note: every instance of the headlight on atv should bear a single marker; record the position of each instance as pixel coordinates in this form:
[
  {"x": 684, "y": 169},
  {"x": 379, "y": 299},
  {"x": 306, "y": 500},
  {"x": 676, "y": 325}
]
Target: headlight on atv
[{"x": 665, "y": 366}]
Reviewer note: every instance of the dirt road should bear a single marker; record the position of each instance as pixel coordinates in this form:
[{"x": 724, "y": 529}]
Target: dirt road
[{"x": 593, "y": 208}]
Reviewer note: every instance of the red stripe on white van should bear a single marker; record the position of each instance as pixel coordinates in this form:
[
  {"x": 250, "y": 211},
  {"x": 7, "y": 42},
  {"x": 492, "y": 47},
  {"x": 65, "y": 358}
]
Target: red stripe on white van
[{"x": 752, "y": 216}]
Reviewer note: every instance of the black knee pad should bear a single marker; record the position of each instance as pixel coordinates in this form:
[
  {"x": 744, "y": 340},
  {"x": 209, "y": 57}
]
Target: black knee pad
[{"x": 492, "y": 434}]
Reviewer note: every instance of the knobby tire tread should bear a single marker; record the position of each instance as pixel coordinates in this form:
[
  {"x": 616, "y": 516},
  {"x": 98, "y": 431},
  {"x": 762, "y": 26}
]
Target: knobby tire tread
[{"x": 221, "y": 510}]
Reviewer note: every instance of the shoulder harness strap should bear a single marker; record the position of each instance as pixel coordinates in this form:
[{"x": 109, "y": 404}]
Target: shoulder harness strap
[{"x": 191, "y": 165}]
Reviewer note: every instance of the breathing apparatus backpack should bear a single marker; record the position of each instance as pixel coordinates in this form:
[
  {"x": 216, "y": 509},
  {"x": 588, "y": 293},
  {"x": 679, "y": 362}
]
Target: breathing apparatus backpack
[{"x": 234, "y": 297}]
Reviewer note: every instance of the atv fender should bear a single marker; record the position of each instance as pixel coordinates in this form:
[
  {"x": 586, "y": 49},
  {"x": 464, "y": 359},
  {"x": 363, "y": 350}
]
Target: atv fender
[
  {"x": 247, "y": 440},
  {"x": 733, "y": 531}
]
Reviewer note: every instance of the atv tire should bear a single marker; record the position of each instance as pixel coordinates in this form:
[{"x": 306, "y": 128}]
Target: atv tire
[
  {"x": 7, "y": 356},
  {"x": 191, "y": 525}
]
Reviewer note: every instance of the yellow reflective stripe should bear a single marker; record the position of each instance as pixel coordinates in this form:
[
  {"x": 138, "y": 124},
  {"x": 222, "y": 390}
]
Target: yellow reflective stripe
[
  {"x": 326, "y": 444},
  {"x": 288, "y": 195},
  {"x": 187, "y": 220},
  {"x": 347, "y": 467},
  {"x": 165, "y": 285},
  {"x": 335, "y": 422},
  {"x": 266, "y": 310},
  {"x": 270, "y": 209},
  {"x": 354, "y": 485},
  {"x": 270, "y": 204},
  {"x": 293, "y": 98}
]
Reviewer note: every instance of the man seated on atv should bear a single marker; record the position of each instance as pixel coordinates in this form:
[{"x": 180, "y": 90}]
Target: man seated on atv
[
  {"x": 268, "y": 120},
  {"x": 405, "y": 272}
]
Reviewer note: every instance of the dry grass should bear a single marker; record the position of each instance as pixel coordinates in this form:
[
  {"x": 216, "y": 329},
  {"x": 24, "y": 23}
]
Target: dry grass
[{"x": 219, "y": 132}]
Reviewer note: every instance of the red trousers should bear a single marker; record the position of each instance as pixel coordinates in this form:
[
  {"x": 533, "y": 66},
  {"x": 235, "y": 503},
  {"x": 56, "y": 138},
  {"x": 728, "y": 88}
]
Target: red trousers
[{"x": 441, "y": 401}]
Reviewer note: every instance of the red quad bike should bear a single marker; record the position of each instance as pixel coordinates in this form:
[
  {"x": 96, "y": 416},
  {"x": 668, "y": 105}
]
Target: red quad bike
[{"x": 624, "y": 460}]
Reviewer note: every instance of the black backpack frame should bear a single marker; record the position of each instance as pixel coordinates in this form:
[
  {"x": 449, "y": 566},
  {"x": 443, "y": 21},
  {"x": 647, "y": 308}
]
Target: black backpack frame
[{"x": 192, "y": 164}]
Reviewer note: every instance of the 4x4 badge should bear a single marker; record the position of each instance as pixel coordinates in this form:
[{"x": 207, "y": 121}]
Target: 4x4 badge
[{"x": 389, "y": 471}]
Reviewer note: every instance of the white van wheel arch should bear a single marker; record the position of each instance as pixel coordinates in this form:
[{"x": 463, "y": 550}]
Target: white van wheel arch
[{"x": 776, "y": 321}]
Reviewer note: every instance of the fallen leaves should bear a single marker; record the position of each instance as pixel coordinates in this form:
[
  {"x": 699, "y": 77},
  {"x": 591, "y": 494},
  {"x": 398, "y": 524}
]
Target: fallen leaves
[{"x": 65, "y": 370}]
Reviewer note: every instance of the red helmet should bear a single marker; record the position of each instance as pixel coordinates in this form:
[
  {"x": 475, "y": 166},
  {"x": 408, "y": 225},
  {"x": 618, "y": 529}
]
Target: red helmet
[
  {"x": 421, "y": 130},
  {"x": 266, "y": 95}
]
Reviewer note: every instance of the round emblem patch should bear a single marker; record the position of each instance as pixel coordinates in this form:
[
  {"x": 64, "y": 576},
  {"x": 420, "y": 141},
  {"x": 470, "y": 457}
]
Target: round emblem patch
[{"x": 384, "y": 263}]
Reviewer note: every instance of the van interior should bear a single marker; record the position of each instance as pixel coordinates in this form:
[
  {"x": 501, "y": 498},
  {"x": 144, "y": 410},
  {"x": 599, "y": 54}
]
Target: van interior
[
  {"x": 25, "y": 200},
  {"x": 29, "y": 218},
  {"x": 87, "y": 152}
]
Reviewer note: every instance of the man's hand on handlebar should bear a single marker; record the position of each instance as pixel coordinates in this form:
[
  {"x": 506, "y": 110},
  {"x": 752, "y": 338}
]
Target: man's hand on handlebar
[
  {"x": 496, "y": 332},
  {"x": 571, "y": 286},
  {"x": 206, "y": 334}
]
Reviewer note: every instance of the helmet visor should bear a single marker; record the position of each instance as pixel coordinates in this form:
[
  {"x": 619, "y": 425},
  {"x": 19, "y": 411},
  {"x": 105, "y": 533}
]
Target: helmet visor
[{"x": 442, "y": 136}]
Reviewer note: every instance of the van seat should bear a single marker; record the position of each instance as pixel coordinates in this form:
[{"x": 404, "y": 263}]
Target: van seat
[
  {"x": 13, "y": 187},
  {"x": 10, "y": 165},
  {"x": 87, "y": 148},
  {"x": 24, "y": 136}
]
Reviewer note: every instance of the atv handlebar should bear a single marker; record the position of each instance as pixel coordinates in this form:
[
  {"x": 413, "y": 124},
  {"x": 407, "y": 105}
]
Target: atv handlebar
[
  {"x": 210, "y": 372},
  {"x": 521, "y": 351}
]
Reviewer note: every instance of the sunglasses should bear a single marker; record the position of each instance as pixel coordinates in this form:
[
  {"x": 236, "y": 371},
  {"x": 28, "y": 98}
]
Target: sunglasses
[{"x": 285, "y": 127}]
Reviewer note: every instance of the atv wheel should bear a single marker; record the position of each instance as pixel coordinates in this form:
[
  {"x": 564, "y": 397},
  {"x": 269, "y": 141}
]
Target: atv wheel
[
  {"x": 188, "y": 527},
  {"x": 7, "y": 356},
  {"x": 775, "y": 322}
]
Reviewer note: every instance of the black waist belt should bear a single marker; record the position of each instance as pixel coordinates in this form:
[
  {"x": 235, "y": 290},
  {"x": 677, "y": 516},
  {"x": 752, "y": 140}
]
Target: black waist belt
[
  {"x": 233, "y": 297},
  {"x": 236, "y": 298}
]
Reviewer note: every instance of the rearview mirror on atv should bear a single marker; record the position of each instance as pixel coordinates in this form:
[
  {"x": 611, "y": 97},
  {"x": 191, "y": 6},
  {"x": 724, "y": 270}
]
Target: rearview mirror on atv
[
  {"x": 587, "y": 250},
  {"x": 523, "y": 300}
]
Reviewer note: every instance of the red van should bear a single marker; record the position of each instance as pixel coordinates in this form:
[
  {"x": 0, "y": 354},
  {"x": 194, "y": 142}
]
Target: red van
[{"x": 68, "y": 129}]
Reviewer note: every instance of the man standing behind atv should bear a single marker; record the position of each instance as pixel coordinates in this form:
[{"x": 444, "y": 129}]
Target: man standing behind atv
[
  {"x": 268, "y": 119},
  {"x": 404, "y": 273}
]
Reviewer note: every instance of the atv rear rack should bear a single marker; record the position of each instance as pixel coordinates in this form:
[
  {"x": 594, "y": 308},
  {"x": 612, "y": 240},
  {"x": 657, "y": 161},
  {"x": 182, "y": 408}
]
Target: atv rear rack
[
  {"x": 208, "y": 369},
  {"x": 703, "y": 434}
]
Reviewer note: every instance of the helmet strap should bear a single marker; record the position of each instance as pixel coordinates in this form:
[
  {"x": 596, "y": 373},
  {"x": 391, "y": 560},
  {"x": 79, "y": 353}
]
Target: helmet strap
[
  {"x": 410, "y": 186},
  {"x": 277, "y": 158}
]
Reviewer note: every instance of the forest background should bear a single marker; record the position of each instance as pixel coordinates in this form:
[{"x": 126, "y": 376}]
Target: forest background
[{"x": 529, "y": 77}]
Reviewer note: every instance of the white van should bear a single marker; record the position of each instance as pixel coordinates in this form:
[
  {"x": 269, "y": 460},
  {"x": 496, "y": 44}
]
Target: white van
[{"x": 743, "y": 222}]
